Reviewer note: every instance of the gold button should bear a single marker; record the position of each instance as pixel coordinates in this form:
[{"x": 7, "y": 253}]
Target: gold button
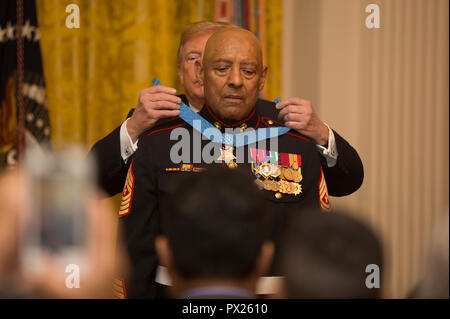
[
  {"x": 278, "y": 195},
  {"x": 217, "y": 125},
  {"x": 243, "y": 127},
  {"x": 232, "y": 165},
  {"x": 270, "y": 122}
]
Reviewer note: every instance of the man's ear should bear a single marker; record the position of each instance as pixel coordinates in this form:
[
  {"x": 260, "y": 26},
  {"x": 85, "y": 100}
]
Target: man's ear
[
  {"x": 163, "y": 250},
  {"x": 199, "y": 74},
  {"x": 265, "y": 258},
  {"x": 180, "y": 74},
  {"x": 262, "y": 79}
]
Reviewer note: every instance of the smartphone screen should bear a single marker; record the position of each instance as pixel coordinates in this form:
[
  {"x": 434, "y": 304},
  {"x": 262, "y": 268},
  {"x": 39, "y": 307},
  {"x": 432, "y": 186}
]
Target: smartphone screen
[{"x": 58, "y": 185}]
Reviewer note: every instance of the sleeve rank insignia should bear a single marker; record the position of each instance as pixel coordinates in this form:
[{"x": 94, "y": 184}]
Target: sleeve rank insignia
[
  {"x": 119, "y": 291},
  {"x": 127, "y": 193},
  {"x": 323, "y": 193}
]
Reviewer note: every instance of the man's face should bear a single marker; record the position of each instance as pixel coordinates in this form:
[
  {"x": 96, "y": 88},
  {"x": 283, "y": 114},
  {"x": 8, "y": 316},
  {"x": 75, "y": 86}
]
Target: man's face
[
  {"x": 191, "y": 52},
  {"x": 232, "y": 74}
]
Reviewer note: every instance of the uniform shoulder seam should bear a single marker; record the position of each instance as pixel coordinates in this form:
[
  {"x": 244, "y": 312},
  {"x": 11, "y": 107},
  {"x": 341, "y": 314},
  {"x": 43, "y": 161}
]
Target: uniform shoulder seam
[
  {"x": 267, "y": 121},
  {"x": 161, "y": 129}
]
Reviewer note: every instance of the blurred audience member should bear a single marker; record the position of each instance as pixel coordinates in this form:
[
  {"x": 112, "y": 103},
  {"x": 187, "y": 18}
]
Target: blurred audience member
[
  {"x": 434, "y": 282},
  {"x": 325, "y": 255},
  {"x": 50, "y": 282},
  {"x": 214, "y": 241},
  {"x": 100, "y": 253},
  {"x": 11, "y": 205}
]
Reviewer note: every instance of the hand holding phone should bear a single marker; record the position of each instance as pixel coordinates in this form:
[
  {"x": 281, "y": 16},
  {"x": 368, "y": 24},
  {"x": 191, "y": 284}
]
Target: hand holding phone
[{"x": 54, "y": 223}]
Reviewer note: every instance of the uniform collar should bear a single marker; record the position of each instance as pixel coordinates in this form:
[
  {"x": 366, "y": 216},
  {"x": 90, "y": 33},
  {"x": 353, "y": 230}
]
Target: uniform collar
[
  {"x": 183, "y": 98},
  {"x": 251, "y": 120}
]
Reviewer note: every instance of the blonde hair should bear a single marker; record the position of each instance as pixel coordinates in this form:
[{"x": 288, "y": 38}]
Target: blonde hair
[{"x": 194, "y": 29}]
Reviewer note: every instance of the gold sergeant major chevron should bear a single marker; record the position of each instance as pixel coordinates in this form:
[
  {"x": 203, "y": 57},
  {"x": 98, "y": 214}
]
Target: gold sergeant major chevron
[{"x": 127, "y": 193}]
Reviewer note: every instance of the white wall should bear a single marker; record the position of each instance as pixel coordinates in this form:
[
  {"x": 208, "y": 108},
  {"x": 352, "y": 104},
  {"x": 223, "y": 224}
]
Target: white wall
[{"x": 386, "y": 91}]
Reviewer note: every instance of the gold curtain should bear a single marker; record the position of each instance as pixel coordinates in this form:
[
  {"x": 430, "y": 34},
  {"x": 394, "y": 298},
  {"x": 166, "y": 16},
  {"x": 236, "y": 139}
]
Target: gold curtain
[
  {"x": 274, "y": 22},
  {"x": 94, "y": 74}
]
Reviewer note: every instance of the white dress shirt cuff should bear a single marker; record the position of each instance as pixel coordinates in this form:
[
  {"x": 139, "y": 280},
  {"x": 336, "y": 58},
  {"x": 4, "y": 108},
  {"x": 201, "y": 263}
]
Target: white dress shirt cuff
[
  {"x": 127, "y": 148},
  {"x": 331, "y": 152}
]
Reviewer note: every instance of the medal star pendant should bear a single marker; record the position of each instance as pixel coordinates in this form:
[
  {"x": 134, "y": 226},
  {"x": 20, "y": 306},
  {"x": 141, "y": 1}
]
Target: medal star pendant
[{"x": 226, "y": 155}]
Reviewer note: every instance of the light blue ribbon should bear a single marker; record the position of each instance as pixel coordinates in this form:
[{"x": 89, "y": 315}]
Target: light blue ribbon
[{"x": 212, "y": 133}]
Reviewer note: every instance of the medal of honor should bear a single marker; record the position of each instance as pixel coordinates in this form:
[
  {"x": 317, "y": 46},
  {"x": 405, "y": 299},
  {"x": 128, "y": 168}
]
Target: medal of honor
[
  {"x": 190, "y": 117},
  {"x": 226, "y": 154}
]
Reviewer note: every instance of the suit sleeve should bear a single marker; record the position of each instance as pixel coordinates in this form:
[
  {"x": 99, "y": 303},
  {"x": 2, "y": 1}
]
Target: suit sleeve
[
  {"x": 347, "y": 175},
  {"x": 111, "y": 169}
]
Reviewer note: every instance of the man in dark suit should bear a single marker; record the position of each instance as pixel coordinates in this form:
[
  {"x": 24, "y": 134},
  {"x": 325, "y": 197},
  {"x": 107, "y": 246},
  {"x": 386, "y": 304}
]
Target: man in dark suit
[
  {"x": 340, "y": 162},
  {"x": 229, "y": 250}
]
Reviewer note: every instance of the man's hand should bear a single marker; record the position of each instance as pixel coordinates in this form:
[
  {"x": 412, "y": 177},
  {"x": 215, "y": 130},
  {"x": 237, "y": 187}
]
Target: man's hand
[
  {"x": 104, "y": 256},
  {"x": 298, "y": 114},
  {"x": 154, "y": 103}
]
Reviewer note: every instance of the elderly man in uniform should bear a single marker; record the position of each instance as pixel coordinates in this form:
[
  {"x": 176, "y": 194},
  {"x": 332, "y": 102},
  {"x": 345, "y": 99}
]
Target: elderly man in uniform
[
  {"x": 340, "y": 162},
  {"x": 286, "y": 167}
]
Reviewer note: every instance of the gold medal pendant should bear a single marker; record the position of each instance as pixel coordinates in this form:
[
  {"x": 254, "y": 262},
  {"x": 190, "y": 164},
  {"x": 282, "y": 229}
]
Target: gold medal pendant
[
  {"x": 283, "y": 186},
  {"x": 227, "y": 156},
  {"x": 288, "y": 174},
  {"x": 232, "y": 165},
  {"x": 289, "y": 187},
  {"x": 271, "y": 185},
  {"x": 297, "y": 177}
]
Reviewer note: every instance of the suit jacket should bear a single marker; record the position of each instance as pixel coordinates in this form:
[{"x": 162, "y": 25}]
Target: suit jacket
[
  {"x": 148, "y": 185},
  {"x": 342, "y": 179}
]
